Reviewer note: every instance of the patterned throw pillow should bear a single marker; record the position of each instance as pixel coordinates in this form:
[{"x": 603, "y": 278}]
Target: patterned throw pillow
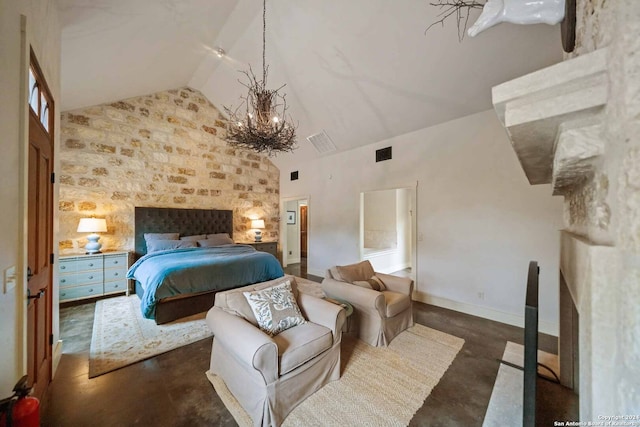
[
  {"x": 275, "y": 308},
  {"x": 374, "y": 283}
]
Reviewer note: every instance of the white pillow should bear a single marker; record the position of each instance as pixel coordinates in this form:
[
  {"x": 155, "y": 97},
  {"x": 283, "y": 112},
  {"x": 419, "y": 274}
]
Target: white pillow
[
  {"x": 164, "y": 245},
  {"x": 195, "y": 238},
  {"x": 161, "y": 236},
  {"x": 275, "y": 308},
  {"x": 218, "y": 235},
  {"x": 216, "y": 240}
]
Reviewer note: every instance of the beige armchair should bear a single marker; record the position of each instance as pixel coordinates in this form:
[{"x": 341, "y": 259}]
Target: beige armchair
[
  {"x": 270, "y": 376},
  {"x": 379, "y": 315}
]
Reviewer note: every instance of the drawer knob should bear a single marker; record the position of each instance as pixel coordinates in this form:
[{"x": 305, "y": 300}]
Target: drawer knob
[
  {"x": 62, "y": 267},
  {"x": 90, "y": 277},
  {"x": 91, "y": 290},
  {"x": 91, "y": 265},
  {"x": 115, "y": 262},
  {"x": 63, "y": 281},
  {"x": 116, "y": 286},
  {"x": 64, "y": 294},
  {"x": 115, "y": 274}
]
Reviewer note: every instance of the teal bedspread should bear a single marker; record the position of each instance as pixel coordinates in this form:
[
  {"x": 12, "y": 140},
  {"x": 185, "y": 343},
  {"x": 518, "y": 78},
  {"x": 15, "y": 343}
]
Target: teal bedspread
[{"x": 186, "y": 271}]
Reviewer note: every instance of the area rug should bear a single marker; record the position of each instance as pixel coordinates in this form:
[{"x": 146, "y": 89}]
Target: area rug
[
  {"x": 121, "y": 336},
  {"x": 505, "y": 405},
  {"x": 378, "y": 387}
]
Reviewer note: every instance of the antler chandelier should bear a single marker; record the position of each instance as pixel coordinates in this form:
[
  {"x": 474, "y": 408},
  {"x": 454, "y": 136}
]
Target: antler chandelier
[{"x": 262, "y": 124}]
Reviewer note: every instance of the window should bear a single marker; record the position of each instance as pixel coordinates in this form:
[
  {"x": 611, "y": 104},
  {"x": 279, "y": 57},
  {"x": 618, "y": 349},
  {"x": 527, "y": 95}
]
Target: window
[
  {"x": 33, "y": 92},
  {"x": 44, "y": 112},
  {"x": 39, "y": 96}
]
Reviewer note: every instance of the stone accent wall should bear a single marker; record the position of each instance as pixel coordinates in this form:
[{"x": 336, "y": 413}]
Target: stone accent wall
[
  {"x": 160, "y": 150},
  {"x": 606, "y": 208}
]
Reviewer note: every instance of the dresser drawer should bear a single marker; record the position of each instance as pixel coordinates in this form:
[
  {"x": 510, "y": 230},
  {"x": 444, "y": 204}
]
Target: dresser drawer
[
  {"x": 269, "y": 247},
  {"x": 111, "y": 261},
  {"x": 117, "y": 286},
  {"x": 80, "y": 292},
  {"x": 67, "y": 266},
  {"x": 115, "y": 274},
  {"x": 82, "y": 278},
  {"x": 93, "y": 263}
]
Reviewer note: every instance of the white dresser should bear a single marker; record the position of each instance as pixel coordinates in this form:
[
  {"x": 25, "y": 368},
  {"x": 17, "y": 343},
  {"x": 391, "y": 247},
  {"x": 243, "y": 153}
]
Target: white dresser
[{"x": 87, "y": 276}]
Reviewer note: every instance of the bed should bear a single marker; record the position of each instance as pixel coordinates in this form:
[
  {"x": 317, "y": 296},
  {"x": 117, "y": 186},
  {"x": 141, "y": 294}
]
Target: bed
[{"x": 235, "y": 260}]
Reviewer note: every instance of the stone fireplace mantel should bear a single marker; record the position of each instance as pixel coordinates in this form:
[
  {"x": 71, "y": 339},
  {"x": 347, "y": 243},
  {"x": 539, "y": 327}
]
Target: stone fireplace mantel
[{"x": 553, "y": 118}]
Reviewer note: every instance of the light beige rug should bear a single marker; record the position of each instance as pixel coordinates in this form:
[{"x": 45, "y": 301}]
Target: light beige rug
[
  {"x": 378, "y": 387},
  {"x": 121, "y": 336},
  {"x": 505, "y": 405}
]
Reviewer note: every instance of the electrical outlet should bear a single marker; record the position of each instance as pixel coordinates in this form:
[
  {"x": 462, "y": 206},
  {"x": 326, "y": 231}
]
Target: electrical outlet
[
  {"x": 9, "y": 279},
  {"x": 420, "y": 237},
  {"x": 481, "y": 295},
  {"x": 290, "y": 252}
]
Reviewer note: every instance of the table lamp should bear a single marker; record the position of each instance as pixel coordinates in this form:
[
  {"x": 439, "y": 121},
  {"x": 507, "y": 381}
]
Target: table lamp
[
  {"x": 93, "y": 226},
  {"x": 257, "y": 224}
]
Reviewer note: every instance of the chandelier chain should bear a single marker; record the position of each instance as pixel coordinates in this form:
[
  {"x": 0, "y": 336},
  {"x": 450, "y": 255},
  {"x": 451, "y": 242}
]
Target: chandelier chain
[{"x": 264, "y": 40}]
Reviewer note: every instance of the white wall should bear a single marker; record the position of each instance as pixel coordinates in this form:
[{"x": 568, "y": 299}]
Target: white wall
[
  {"x": 480, "y": 220},
  {"x": 43, "y": 34},
  {"x": 380, "y": 223}
]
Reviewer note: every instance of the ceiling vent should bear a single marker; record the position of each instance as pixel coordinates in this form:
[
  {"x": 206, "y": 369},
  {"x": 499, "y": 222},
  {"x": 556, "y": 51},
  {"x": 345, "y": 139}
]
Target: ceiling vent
[{"x": 322, "y": 142}]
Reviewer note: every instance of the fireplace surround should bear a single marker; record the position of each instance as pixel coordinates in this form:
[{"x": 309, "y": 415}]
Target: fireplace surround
[{"x": 575, "y": 126}]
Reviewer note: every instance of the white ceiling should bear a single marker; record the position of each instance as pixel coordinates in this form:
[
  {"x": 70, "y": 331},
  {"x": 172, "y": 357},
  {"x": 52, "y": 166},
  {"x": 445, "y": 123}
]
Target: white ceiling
[{"x": 362, "y": 70}]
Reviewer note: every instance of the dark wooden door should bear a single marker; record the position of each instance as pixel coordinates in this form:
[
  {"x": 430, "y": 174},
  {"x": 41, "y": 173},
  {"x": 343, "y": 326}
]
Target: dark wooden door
[
  {"x": 303, "y": 231},
  {"x": 40, "y": 239}
]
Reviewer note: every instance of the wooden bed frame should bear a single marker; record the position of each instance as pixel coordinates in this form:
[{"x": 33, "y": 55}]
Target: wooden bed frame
[{"x": 187, "y": 222}]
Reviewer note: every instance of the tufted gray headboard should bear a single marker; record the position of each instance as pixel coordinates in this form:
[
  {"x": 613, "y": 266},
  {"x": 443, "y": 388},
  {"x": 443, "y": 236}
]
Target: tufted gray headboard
[{"x": 187, "y": 222}]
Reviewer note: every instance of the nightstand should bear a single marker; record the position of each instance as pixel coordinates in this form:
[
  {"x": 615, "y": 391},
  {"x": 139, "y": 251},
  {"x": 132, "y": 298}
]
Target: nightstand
[
  {"x": 269, "y": 247},
  {"x": 87, "y": 276}
]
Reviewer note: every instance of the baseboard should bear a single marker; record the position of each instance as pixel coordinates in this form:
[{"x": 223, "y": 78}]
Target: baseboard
[
  {"x": 293, "y": 260},
  {"x": 57, "y": 354},
  {"x": 319, "y": 273},
  {"x": 484, "y": 312}
]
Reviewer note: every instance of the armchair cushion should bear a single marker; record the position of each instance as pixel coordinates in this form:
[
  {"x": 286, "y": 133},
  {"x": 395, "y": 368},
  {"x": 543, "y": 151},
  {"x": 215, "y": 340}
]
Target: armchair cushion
[
  {"x": 275, "y": 308},
  {"x": 396, "y": 303},
  {"x": 360, "y": 271},
  {"x": 298, "y": 345}
]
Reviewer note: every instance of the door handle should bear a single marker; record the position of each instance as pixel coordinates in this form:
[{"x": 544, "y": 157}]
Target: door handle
[{"x": 36, "y": 296}]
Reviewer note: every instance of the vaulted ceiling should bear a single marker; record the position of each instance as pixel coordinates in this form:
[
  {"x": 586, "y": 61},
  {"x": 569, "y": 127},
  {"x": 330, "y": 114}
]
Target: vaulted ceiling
[{"x": 361, "y": 70}]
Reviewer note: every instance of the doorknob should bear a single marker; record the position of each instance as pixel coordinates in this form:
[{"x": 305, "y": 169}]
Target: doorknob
[
  {"x": 36, "y": 296},
  {"x": 29, "y": 274}
]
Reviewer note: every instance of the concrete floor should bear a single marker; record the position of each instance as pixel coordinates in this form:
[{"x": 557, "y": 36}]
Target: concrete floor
[{"x": 172, "y": 390}]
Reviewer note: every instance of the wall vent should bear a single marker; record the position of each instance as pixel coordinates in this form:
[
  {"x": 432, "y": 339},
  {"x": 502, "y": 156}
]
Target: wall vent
[
  {"x": 383, "y": 154},
  {"x": 322, "y": 142},
  {"x": 294, "y": 176}
]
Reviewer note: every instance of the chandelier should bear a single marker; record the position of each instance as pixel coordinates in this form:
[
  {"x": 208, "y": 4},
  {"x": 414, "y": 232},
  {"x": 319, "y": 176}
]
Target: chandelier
[{"x": 259, "y": 123}]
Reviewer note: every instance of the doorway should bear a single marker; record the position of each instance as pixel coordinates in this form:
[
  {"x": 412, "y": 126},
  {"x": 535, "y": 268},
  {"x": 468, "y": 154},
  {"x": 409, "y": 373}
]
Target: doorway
[
  {"x": 39, "y": 231},
  {"x": 388, "y": 230},
  {"x": 294, "y": 235}
]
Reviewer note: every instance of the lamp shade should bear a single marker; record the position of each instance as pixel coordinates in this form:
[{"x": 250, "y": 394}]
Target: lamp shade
[
  {"x": 92, "y": 225},
  {"x": 257, "y": 223}
]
